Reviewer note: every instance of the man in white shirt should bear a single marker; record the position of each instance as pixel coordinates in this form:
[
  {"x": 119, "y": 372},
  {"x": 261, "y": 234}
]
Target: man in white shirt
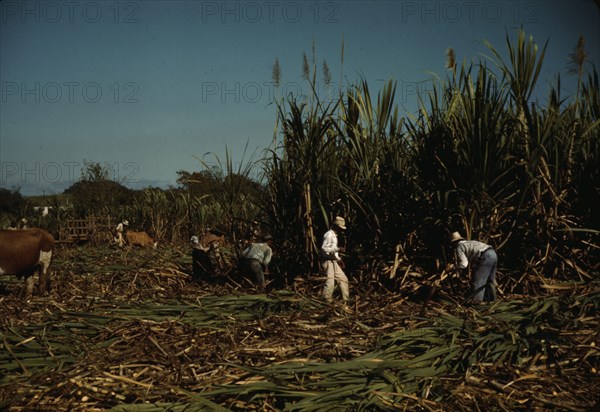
[
  {"x": 256, "y": 259},
  {"x": 120, "y": 229},
  {"x": 331, "y": 262},
  {"x": 483, "y": 261}
]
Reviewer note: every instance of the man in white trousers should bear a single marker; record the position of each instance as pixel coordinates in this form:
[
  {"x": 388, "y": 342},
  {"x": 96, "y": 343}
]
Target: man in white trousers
[
  {"x": 120, "y": 239},
  {"x": 331, "y": 262}
]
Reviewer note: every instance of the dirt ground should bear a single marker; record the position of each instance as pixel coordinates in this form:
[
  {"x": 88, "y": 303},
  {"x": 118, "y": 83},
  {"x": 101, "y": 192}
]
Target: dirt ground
[{"x": 128, "y": 327}]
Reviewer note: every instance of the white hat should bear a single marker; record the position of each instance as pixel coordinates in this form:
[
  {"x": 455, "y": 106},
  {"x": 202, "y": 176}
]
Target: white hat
[
  {"x": 126, "y": 222},
  {"x": 194, "y": 240},
  {"x": 340, "y": 222},
  {"x": 455, "y": 236}
]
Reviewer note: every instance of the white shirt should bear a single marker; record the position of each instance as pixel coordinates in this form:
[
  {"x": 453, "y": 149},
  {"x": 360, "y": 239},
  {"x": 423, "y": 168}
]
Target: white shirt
[
  {"x": 329, "y": 248},
  {"x": 259, "y": 251},
  {"x": 468, "y": 251}
]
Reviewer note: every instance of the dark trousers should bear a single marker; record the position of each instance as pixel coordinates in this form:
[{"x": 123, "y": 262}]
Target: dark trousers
[
  {"x": 202, "y": 266},
  {"x": 255, "y": 269}
]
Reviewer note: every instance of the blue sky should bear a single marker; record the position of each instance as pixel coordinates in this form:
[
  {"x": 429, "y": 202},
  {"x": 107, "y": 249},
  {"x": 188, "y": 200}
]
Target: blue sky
[{"x": 147, "y": 87}]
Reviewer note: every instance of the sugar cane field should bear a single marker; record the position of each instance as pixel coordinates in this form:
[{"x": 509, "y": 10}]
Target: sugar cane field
[{"x": 129, "y": 329}]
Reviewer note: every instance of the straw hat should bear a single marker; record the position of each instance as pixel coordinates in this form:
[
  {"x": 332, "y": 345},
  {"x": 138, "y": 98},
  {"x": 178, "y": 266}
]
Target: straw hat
[
  {"x": 455, "y": 237},
  {"x": 340, "y": 222}
]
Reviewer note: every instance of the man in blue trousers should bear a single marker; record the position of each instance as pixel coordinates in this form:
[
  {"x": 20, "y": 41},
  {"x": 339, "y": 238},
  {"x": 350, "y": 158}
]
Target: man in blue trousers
[{"x": 483, "y": 261}]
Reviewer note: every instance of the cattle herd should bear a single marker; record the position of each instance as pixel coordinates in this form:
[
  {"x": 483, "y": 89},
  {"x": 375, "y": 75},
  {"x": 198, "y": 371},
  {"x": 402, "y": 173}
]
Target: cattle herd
[{"x": 25, "y": 252}]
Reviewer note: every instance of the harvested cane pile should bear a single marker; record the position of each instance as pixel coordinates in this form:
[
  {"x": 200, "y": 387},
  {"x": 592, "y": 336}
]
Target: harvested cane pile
[{"x": 128, "y": 331}]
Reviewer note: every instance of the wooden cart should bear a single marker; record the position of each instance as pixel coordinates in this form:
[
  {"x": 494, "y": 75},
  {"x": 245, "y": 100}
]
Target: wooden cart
[{"x": 92, "y": 229}]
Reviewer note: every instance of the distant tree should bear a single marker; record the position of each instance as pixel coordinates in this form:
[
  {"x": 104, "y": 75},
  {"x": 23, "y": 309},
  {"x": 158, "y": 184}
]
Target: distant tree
[
  {"x": 95, "y": 172},
  {"x": 11, "y": 201},
  {"x": 201, "y": 183},
  {"x": 12, "y": 205},
  {"x": 212, "y": 182},
  {"x": 96, "y": 193},
  {"x": 248, "y": 187}
]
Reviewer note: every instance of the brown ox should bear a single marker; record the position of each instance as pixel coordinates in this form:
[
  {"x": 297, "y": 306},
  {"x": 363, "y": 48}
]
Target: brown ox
[
  {"x": 24, "y": 251},
  {"x": 211, "y": 240},
  {"x": 140, "y": 239}
]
